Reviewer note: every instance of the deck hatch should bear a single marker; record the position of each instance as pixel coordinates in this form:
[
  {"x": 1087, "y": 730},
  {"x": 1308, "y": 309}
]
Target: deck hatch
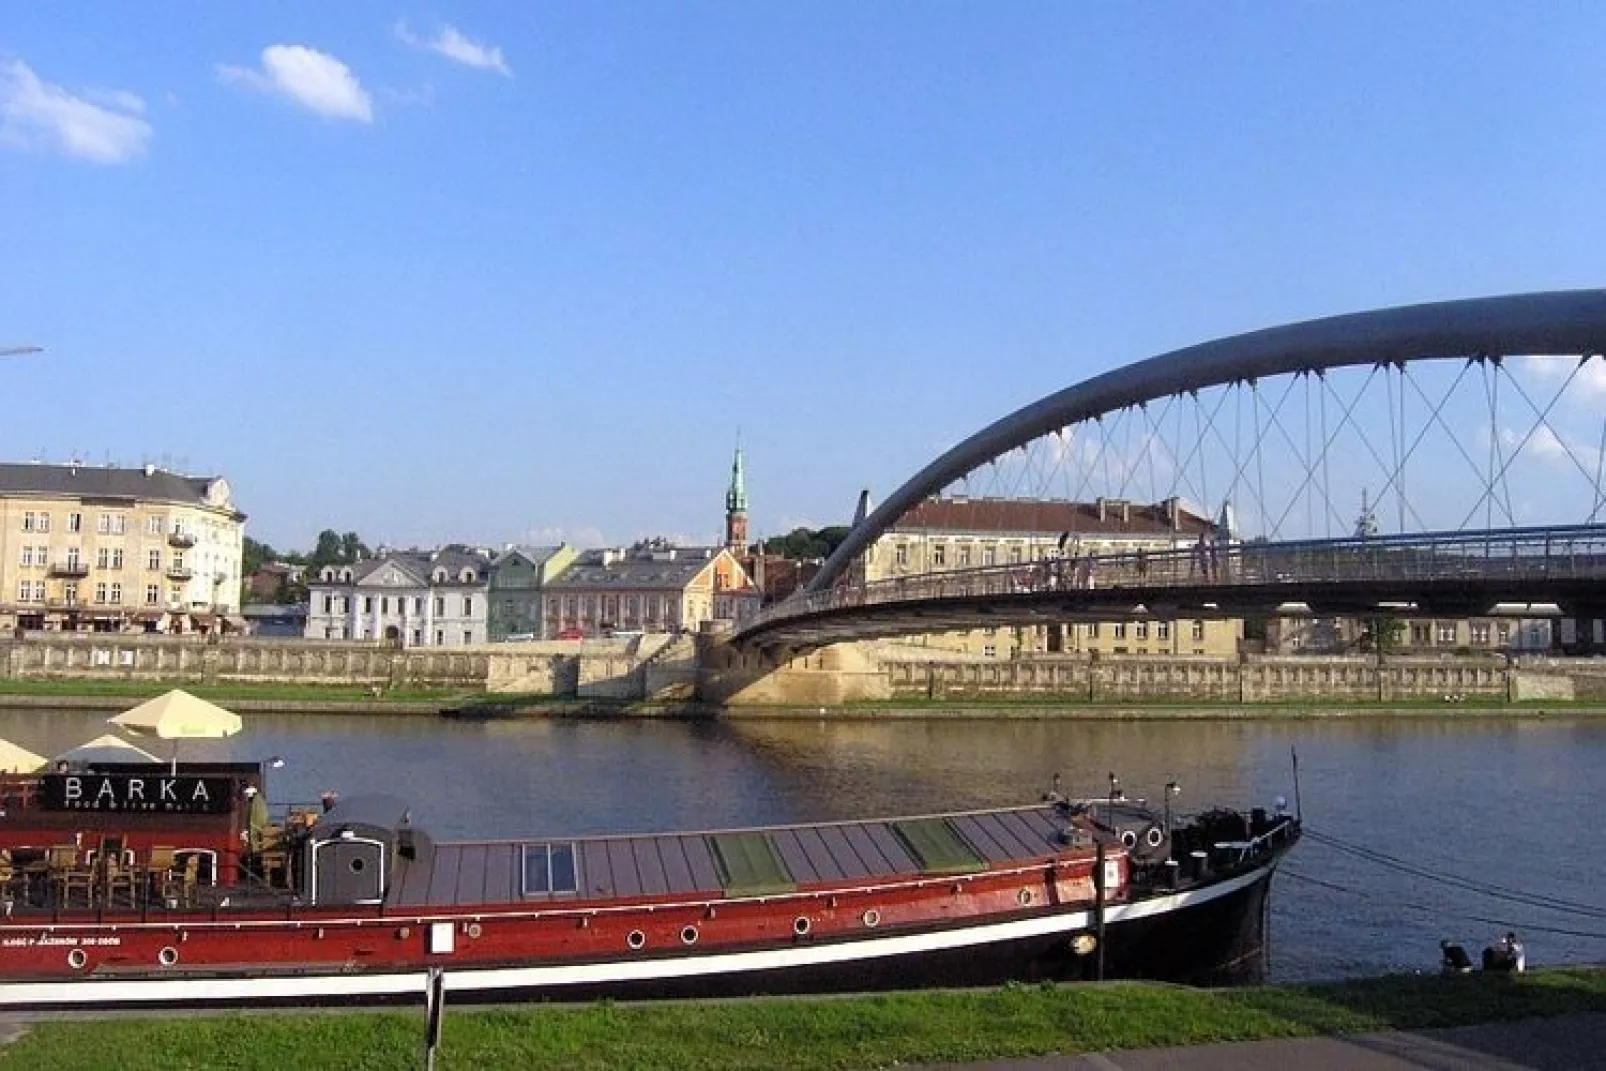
[
  {"x": 937, "y": 846},
  {"x": 549, "y": 868},
  {"x": 749, "y": 865}
]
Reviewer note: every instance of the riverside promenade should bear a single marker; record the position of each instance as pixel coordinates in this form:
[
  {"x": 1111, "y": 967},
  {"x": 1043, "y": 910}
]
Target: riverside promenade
[{"x": 1563, "y": 1043}]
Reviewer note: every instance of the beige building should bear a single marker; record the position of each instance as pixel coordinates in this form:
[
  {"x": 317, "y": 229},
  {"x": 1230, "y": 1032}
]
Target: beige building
[
  {"x": 653, "y": 586},
  {"x": 1308, "y": 634},
  {"x": 960, "y": 533},
  {"x": 100, "y": 549}
]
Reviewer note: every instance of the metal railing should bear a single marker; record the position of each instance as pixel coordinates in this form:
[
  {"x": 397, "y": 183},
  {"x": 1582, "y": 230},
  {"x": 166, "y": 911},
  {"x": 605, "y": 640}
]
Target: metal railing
[{"x": 1514, "y": 556}]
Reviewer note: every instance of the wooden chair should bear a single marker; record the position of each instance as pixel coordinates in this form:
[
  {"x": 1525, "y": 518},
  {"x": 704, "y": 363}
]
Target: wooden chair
[
  {"x": 116, "y": 878},
  {"x": 181, "y": 885}
]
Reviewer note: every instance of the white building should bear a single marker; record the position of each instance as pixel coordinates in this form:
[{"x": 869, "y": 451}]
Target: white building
[{"x": 407, "y": 598}]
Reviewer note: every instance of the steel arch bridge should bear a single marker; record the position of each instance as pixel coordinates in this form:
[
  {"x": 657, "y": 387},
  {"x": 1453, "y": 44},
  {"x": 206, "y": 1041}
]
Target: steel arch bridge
[{"x": 1442, "y": 456}]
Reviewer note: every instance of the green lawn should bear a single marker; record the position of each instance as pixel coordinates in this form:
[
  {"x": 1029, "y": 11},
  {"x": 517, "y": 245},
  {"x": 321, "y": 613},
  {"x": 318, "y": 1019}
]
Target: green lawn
[{"x": 859, "y": 1032}]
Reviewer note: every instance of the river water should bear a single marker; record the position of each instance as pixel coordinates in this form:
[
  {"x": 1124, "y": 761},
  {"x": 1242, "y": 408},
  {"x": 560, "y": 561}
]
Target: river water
[{"x": 1464, "y": 804}]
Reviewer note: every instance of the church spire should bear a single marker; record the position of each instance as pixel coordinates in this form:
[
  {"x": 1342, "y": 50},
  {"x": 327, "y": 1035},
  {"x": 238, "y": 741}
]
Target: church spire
[{"x": 736, "y": 505}]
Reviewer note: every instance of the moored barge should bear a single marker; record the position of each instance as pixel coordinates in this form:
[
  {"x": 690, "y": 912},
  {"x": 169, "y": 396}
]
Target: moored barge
[{"x": 127, "y": 886}]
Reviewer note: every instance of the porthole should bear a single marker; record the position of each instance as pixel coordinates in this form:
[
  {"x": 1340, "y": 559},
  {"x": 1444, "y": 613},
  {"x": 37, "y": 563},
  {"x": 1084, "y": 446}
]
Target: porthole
[
  {"x": 167, "y": 956},
  {"x": 636, "y": 940},
  {"x": 688, "y": 935},
  {"x": 357, "y": 865},
  {"x": 871, "y": 918},
  {"x": 1154, "y": 836},
  {"x": 1024, "y": 897},
  {"x": 1129, "y": 838},
  {"x": 77, "y": 958},
  {"x": 473, "y": 930},
  {"x": 801, "y": 926}
]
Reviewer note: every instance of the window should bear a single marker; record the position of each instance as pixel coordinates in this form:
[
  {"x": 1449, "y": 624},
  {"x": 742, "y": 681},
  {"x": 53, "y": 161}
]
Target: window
[
  {"x": 75, "y": 522},
  {"x": 367, "y": 604},
  {"x": 153, "y": 525},
  {"x": 1198, "y": 631},
  {"x": 153, "y": 594},
  {"x": 175, "y": 595},
  {"x": 1014, "y": 555},
  {"x": 23, "y": 589},
  {"x": 468, "y": 606},
  {"x": 1093, "y": 631},
  {"x": 27, "y": 554},
  {"x": 345, "y": 604},
  {"x": 100, "y": 592},
  {"x": 103, "y": 557},
  {"x": 103, "y": 523},
  {"x": 900, "y": 554},
  {"x": 418, "y": 637},
  {"x": 964, "y": 557},
  {"x": 328, "y": 632},
  {"x": 72, "y": 557},
  {"x": 38, "y": 591},
  {"x": 178, "y": 563},
  {"x": 44, "y": 522},
  {"x": 440, "y": 637},
  {"x": 1120, "y": 630},
  {"x": 989, "y": 650},
  {"x": 117, "y": 557},
  {"x": 1162, "y": 630},
  {"x": 328, "y": 604},
  {"x": 1503, "y": 631},
  {"x": 153, "y": 559},
  {"x": 384, "y": 604},
  {"x": 440, "y": 606},
  {"x": 1419, "y": 635},
  {"x": 1143, "y": 630},
  {"x": 30, "y": 523},
  {"x": 549, "y": 868},
  {"x": 989, "y": 555},
  {"x": 468, "y": 635},
  {"x": 939, "y": 554},
  {"x": 117, "y": 594},
  {"x": 1480, "y": 634},
  {"x": 1446, "y": 632}
]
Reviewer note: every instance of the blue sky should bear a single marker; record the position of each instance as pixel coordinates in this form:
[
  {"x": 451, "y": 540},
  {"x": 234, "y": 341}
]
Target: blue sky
[{"x": 508, "y": 272}]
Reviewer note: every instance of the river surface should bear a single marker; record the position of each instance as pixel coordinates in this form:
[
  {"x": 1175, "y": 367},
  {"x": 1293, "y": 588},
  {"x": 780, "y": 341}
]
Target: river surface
[{"x": 1464, "y": 804}]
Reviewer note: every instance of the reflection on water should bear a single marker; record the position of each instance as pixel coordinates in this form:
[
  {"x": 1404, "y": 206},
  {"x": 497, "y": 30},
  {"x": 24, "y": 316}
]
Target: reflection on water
[{"x": 1508, "y": 802}]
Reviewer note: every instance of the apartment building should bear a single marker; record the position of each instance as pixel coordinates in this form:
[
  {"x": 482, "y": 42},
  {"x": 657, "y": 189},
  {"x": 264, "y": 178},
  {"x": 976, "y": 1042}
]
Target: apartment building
[
  {"x": 106, "y": 549},
  {"x": 964, "y": 533},
  {"x": 653, "y": 586},
  {"x": 408, "y": 598}
]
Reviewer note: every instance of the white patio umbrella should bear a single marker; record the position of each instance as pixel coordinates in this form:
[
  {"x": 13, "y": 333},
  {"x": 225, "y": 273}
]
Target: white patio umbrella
[
  {"x": 107, "y": 748},
  {"x": 15, "y": 759},
  {"x": 176, "y": 716}
]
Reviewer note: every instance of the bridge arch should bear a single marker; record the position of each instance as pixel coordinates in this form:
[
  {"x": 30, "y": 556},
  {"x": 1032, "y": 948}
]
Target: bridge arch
[{"x": 1484, "y": 329}]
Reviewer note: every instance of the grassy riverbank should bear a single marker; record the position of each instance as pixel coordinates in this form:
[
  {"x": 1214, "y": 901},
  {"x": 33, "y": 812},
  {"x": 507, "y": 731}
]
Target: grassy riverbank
[
  {"x": 290, "y": 693},
  {"x": 857, "y": 1032}
]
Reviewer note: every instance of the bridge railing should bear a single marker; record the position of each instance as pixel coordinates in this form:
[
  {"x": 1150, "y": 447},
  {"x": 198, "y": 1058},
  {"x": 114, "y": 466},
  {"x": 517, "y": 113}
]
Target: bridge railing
[{"x": 1571, "y": 552}]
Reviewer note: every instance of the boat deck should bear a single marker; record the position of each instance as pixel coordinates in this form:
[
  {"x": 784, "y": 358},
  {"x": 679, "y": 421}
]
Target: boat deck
[{"x": 725, "y": 863}]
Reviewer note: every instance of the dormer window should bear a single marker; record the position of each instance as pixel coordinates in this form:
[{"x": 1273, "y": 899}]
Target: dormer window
[
  {"x": 468, "y": 576},
  {"x": 439, "y": 576},
  {"x": 328, "y": 576}
]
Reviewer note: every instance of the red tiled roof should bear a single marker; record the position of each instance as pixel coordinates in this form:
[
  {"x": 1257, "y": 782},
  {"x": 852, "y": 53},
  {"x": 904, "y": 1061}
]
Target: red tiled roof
[{"x": 1019, "y": 515}]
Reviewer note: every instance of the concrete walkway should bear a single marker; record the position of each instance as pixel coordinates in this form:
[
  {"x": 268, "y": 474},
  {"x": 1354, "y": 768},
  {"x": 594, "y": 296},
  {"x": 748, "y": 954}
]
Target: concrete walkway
[{"x": 1564, "y": 1043}]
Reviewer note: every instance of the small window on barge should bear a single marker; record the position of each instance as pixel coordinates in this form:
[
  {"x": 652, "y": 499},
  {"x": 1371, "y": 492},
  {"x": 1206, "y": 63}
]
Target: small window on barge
[{"x": 549, "y": 869}]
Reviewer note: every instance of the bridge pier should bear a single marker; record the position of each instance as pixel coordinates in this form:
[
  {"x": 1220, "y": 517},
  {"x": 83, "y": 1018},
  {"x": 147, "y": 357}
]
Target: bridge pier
[{"x": 741, "y": 676}]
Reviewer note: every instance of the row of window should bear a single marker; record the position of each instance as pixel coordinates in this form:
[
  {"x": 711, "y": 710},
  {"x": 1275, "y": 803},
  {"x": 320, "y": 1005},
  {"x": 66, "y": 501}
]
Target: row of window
[
  {"x": 613, "y": 607},
  {"x": 963, "y": 554},
  {"x": 105, "y": 523},
  {"x": 341, "y": 632},
  {"x": 105, "y": 594},
  {"x": 401, "y": 604},
  {"x": 105, "y": 558},
  {"x": 1139, "y": 629}
]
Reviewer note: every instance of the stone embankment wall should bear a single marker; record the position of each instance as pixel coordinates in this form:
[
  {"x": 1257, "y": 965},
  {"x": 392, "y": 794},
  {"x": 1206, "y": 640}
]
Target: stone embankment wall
[
  {"x": 1251, "y": 679},
  {"x": 703, "y": 667}
]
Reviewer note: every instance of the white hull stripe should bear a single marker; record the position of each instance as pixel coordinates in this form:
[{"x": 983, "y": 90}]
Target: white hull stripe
[{"x": 469, "y": 979}]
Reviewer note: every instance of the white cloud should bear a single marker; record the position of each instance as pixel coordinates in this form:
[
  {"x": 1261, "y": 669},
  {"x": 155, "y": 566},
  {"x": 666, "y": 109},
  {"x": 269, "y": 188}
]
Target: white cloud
[
  {"x": 35, "y": 114},
  {"x": 1591, "y": 379},
  {"x": 459, "y": 49},
  {"x": 315, "y": 80}
]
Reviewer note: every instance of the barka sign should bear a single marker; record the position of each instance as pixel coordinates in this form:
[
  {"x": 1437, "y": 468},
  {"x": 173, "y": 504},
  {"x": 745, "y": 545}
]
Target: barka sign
[{"x": 137, "y": 793}]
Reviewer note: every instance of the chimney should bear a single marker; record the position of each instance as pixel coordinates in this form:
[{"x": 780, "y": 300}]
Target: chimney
[
  {"x": 150, "y": 470},
  {"x": 1103, "y": 509},
  {"x": 1126, "y": 513}
]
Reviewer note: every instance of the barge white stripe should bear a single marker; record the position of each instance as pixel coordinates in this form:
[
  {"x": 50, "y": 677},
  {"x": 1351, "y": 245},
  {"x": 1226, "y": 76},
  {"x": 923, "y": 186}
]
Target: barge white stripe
[{"x": 470, "y": 979}]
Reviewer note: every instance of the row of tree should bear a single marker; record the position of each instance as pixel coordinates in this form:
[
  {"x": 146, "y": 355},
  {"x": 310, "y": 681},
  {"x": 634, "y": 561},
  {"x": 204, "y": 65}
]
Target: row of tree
[{"x": 332, "y": 548}]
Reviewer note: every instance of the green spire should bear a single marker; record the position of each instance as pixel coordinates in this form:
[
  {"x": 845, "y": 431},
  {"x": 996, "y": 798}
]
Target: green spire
[{"x": 736, "y": 496}]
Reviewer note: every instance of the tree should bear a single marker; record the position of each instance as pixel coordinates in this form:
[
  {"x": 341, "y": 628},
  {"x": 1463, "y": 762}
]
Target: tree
[
  {"x": 353, "y": 549},
  {"x": 328, "y": 550},
  {"x": 254, "y": 555}
]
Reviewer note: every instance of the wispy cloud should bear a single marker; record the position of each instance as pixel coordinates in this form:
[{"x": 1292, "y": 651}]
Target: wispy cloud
[
  {"x": 584, "y": 536},
  {"x": 452, "y": 44},
  {"x": 35, "y": 114},
  {"x": 315, "y": 80}
]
